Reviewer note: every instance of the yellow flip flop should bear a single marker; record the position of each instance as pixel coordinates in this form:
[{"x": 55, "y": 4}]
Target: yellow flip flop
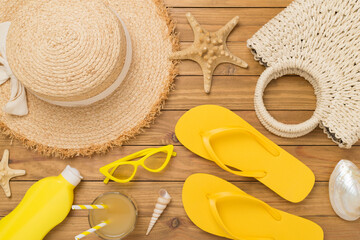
[
  {"x": 216, "y": 133},
  {"x": 220, "y": 208}
]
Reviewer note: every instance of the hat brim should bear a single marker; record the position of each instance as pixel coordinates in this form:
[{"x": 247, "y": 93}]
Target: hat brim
[{"x": 82, "y": 131}]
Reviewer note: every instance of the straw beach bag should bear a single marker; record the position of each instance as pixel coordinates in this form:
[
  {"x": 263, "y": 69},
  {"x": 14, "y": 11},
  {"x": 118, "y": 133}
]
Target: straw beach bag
[
  {"x": 318, "y": 40},
  {"x": 81, "y": 76}
]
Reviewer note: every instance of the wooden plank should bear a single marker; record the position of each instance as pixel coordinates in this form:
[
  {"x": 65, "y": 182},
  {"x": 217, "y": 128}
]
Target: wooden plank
[
  {"x": 237, "y": 93},
  {"x": 174, "y": 224},
  {"x": 233, "y": 87},
  {"x": 212, "y": 19},
  {"x": 145, "y": 195},
  {"x": 321, "y": 159},
  {"x": 240, "y": 49},
  {"x": 227, "y": 3},
  {"x": 181, "y": 228},
  {"x": 162, "y": 131}
]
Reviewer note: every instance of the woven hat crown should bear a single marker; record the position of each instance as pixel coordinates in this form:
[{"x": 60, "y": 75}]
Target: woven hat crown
[
  {"x": 58, "y": 130},
  {"x": 318, "y": 40},
  {"x": 66, "y": 50}
]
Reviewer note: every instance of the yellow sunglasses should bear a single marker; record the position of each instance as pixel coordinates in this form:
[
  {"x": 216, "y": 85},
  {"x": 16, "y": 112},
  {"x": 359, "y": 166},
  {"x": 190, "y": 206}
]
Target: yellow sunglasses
[{"x": 152, "y": 159}]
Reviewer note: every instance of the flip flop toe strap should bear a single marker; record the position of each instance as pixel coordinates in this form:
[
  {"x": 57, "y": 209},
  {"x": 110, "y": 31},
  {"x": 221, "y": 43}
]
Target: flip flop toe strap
[
  {"x": 265, "y": 143},
  {"x": 214, "y": 198}
]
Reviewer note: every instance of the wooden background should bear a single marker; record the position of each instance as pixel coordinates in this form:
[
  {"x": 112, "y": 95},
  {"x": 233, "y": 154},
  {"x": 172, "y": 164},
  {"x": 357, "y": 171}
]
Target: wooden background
[{"x": 290, "y": 99}]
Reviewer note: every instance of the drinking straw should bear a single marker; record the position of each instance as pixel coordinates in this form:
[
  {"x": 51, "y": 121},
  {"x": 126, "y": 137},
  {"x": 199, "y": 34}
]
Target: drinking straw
[
  {"x": 91, "y": 230},
  {"x": 79, "y": 207}
]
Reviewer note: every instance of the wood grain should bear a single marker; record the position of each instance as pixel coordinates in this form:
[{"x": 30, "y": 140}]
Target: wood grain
[
  {"x": 227, "y": 3},
  {"x": 289, "y": 99},
  {"x": 181, "y": 228},
  {"x": 146, "y": 193},
  {"x": 321, "y": 159},
  {"x": 174, "y": 224},
  {"x": 162, "y": 131},
  {"x": 212, "y": 19},
  {"x": 285, "y": 93}
]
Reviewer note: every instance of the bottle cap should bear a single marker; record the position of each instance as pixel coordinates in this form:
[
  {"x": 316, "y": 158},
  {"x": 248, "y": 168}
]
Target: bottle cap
[{"x": 72, "y": 175}]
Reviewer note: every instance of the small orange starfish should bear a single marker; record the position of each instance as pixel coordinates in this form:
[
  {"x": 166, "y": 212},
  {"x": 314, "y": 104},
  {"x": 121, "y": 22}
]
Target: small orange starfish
[
  {"x": 209, "y": 49},
  {"x": 7, "y": 173}
]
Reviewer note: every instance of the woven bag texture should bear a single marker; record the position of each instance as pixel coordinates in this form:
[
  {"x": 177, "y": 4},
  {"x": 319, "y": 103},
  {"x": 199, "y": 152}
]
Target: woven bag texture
[{"x": 318, "y": 40}]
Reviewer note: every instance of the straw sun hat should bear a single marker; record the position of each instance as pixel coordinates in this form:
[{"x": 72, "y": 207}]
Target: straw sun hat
[{"x": 81, "y": 76}]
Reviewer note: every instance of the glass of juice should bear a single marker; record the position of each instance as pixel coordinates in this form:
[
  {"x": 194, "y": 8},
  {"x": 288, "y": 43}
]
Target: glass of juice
[{"x": 121, "y": 213}]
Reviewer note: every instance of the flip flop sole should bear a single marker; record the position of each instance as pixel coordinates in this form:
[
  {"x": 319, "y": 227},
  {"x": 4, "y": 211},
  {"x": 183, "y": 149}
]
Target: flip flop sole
[
  {"x": 245, "y": 218},
  {"x": 286, "y": 175}
]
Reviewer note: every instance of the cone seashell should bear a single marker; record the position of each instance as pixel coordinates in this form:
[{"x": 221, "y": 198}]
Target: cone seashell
[
  {"x": 162, "y": 202},
  {"x": 344, "y": 190}
]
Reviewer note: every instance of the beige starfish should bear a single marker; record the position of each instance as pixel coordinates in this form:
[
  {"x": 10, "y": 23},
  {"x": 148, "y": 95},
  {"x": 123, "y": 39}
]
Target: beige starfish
[
  {"x": 7, "y": 173},
  {"x": 209, "y": 49}
]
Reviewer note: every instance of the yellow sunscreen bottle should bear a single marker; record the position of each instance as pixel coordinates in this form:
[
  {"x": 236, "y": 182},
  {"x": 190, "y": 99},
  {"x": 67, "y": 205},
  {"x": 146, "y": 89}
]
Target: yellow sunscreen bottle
[{"x": 45, "y": 205}]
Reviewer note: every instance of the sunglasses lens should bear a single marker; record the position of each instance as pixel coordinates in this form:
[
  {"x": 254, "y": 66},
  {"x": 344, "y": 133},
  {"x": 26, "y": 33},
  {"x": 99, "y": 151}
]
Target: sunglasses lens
[
  {"x": 156, "y": 160},
  {"x": 122, "y": 172}
]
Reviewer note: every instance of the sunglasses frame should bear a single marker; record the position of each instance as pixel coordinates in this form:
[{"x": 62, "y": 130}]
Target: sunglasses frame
[{"x": 109, "y": 169}]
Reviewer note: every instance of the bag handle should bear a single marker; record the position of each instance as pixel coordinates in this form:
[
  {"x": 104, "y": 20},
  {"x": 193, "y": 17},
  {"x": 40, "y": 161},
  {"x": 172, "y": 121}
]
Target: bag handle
[{"x": 274, "y": 126}]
